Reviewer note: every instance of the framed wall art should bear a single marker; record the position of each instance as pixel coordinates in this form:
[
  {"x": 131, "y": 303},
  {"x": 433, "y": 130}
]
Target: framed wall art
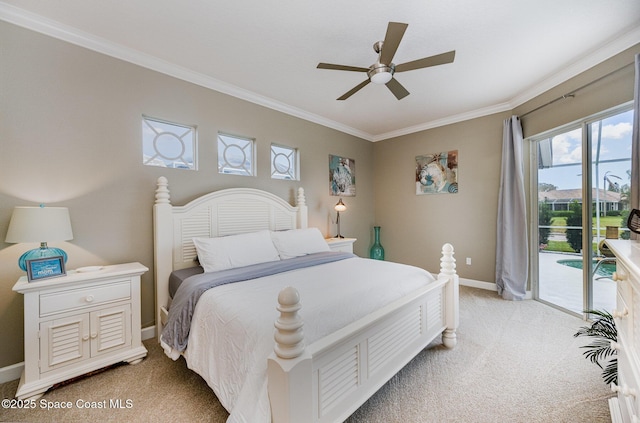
[
  {"x": 45, "y": 268},
  {"x": 437, "y": 173},
  {"x": 342, "y": 176}
]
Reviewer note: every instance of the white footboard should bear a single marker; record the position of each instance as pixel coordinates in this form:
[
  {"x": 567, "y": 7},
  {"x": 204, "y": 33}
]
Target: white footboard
[{"x": 330, "y": 379}]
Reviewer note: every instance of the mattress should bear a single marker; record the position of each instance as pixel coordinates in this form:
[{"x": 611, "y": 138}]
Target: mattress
[
  {"x": 232, "y": 329},
  {"x": 178, "y": 276}
]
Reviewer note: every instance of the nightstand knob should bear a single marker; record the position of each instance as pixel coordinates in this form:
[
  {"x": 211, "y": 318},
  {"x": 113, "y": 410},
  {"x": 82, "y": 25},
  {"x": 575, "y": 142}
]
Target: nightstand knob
[
  {"x": 618, "y": 276},
  {"x": 85, "y": 338},
  {"x": 624, "y": 390},
  {"x": 628, "y": 392},
  {"x": 89, "y": 298},
  {"x": 620, "y": 314},
  {"x": 93, "y": 335}
]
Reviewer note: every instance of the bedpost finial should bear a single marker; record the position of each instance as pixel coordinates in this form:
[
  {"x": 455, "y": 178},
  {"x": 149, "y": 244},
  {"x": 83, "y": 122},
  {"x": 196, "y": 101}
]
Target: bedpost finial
[
  {"x": 289, "y": 297},
  {"x": 162, "y": 192},
  {"x": 447, "y": 261},
  {"x": 289, "y": 336},
  {"x": 302, "y": 201}
]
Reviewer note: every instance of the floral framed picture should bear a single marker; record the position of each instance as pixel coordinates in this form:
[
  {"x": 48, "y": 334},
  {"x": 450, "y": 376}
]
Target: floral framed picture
[
  {"x": 342, "y": 176},
  {"x": 437, "y": 173}
]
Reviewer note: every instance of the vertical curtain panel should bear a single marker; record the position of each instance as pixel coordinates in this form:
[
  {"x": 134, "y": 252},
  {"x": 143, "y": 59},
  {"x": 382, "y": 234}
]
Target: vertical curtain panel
[
  {"x": 512, "y": 251},
  {"x": 635, "y": 144}
]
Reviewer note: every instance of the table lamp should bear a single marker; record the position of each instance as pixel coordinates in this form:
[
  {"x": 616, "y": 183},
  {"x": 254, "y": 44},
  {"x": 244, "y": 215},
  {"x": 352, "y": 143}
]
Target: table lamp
[
  {"x": 339, "y": 207},
  {"x": 39, "y": 224}
]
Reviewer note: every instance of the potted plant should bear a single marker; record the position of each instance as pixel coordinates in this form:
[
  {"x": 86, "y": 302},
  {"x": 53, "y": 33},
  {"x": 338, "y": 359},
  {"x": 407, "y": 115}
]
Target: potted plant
[{"x": 603, "y": 331}]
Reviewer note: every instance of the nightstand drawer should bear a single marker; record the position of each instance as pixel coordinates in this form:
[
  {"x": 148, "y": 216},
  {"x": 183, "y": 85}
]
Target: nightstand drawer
[{"x": 73, "y": 299}]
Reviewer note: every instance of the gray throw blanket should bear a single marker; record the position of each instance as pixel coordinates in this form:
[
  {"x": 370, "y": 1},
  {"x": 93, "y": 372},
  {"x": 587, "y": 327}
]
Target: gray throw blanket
[{"x": 176, "y": 332}]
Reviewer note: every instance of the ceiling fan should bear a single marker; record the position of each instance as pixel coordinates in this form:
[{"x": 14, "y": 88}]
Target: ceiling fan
[{"x": 382, "y": 71}]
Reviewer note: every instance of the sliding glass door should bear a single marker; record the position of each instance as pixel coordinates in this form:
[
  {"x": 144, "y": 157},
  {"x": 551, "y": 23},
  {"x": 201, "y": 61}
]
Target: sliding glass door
[
  {"x": 560, "y": 227},
  {"x": 582, "y": 182}
]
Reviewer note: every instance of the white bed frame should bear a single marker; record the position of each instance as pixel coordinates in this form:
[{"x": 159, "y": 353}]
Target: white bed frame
[{"x": 329, "y": 379}]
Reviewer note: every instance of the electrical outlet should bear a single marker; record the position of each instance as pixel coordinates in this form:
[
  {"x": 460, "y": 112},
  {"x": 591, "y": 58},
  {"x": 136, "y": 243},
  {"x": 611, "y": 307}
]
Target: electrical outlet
[{"x": 468, "y": 261}]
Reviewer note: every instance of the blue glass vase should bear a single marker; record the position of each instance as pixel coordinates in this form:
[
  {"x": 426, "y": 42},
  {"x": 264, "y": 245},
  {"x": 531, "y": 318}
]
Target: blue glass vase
[
  {"x": 43, "y": 252},
  {"x": 377, "y": 251}
]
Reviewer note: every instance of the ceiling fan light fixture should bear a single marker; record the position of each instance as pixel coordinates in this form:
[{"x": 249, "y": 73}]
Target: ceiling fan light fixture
[
  {"x": 382, "y": 71},
  {"x": 380, "y": 75}
]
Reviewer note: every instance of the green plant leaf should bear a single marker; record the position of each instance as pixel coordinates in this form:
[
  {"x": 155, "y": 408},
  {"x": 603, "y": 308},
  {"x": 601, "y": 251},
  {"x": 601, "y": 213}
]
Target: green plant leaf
[{"x": 603, "y": 331}]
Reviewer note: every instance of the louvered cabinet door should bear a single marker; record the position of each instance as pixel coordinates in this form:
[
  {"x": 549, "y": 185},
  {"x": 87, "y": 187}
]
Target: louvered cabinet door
[
  {"x": 64, "y": 342},
  {"x": 110, "y": 329}
]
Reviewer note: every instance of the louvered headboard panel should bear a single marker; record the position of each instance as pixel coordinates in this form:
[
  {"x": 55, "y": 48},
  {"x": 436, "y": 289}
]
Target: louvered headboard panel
[
  {"x": 227, "y": 213},
  {"x": 220, "y": 213}
]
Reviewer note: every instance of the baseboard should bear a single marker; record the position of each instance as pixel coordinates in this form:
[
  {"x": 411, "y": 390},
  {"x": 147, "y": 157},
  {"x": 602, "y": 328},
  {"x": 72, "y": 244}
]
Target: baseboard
[
  {"x": 14, "y": 371},
  {"x": 490, "y": 286},
  {"x": 148, "y": 333}
]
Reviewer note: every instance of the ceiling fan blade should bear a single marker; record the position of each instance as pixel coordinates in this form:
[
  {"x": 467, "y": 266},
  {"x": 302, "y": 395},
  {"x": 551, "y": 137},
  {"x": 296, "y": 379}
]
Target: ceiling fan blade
[
  {"x": 395, "y": 32},
  {"x": 354, "y": 90},
  {"x": 331, "y": 66},
  {"x": 439, "y": 59},
  {"x": 397, "y": 89}
]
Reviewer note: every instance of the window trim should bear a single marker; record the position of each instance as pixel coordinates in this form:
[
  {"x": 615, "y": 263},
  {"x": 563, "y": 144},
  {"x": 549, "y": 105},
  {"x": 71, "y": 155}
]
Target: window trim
[
  {"x": 295, "y": 163},
  {"x": 194, "y": 143},
  {"x": 252, "y": 171}
]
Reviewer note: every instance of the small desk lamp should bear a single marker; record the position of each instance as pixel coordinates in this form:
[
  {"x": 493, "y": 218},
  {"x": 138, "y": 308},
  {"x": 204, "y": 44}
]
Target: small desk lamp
[
  {"x": 339, "y": 207},
  {"x": 39, "y": 224}
]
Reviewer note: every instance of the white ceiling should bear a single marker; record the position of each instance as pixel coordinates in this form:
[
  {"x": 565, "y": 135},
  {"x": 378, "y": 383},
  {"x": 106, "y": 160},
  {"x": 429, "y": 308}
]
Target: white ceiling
[{"x": 266, "y": 51}]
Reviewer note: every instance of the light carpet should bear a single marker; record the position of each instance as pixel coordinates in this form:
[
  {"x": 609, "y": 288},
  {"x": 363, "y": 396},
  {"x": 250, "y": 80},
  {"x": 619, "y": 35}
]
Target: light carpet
[{"x": 514, "y": 362}]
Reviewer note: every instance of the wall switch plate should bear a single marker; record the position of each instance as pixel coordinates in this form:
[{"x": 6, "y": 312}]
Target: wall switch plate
[{"x": 469, "y": 261}]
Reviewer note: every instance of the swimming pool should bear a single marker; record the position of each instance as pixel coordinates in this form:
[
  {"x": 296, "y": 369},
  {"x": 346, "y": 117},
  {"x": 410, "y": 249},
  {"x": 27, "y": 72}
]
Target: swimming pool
[{"x": 605, "y": 269}]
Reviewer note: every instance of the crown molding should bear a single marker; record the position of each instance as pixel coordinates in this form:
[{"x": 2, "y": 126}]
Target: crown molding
[
  {"x": 34, "y": 22},
  {"x": 485, "y": 111},
  {"x": 37, "y": 23},
  {"x": 599, "y": 55}
]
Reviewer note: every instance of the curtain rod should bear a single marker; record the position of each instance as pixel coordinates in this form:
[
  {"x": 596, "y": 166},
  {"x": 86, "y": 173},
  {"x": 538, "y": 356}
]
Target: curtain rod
[{"x": 571, "y": 94}]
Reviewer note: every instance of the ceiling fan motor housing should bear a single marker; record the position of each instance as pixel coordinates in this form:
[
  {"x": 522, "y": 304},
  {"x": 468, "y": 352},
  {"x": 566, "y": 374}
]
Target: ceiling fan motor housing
[{"x": 379, "y": 73}]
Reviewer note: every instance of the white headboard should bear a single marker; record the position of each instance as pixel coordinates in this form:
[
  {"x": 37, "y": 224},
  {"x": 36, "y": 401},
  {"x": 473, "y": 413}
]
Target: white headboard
[{"x": 219, "y": 213}]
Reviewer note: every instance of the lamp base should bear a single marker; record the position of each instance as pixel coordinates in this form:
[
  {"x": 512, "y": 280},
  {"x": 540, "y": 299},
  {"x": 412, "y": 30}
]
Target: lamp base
[
  {"x": 42, "y": 252},
  {"x": 338, "y": 236}
]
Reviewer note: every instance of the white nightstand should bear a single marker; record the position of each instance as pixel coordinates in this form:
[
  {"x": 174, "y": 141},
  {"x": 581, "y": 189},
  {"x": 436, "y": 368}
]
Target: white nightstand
[
  {"x": 341, "y": 244},
  {"x": 79, "y": 323}
]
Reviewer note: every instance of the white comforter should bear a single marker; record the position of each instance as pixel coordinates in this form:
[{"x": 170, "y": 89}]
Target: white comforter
[{"x": 232, "y": 329}]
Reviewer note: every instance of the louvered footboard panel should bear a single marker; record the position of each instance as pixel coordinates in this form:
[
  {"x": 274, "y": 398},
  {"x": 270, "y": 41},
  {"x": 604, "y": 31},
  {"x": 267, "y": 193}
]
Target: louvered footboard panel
[
  {"x": 385, "y": 344},
  {"x": 338, "y": 378},
  {"x": 349, "y": 373}
]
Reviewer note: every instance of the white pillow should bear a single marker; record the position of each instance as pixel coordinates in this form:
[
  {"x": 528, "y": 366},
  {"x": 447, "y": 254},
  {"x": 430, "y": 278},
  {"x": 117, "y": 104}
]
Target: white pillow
[
  {"x": 299, "y": 242},
  {"x": 232, "y": 251}
]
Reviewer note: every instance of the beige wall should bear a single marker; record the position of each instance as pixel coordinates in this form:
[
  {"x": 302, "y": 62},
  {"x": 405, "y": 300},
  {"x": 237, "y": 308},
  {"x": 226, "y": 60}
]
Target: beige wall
[
  {"x": 414, "y": 227},
  {"x": 70, "y": 136}
]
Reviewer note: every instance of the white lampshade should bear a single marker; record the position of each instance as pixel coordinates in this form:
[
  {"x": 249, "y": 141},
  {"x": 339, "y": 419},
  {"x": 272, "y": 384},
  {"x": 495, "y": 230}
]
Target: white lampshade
[
  {"x": 340, "y": 207},
  {"x": 39, "y": 224}
]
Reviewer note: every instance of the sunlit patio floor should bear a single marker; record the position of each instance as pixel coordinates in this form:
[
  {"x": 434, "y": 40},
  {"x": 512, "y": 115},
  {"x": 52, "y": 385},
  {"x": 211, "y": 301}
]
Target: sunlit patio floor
[{"x": 562, "y": 285}]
